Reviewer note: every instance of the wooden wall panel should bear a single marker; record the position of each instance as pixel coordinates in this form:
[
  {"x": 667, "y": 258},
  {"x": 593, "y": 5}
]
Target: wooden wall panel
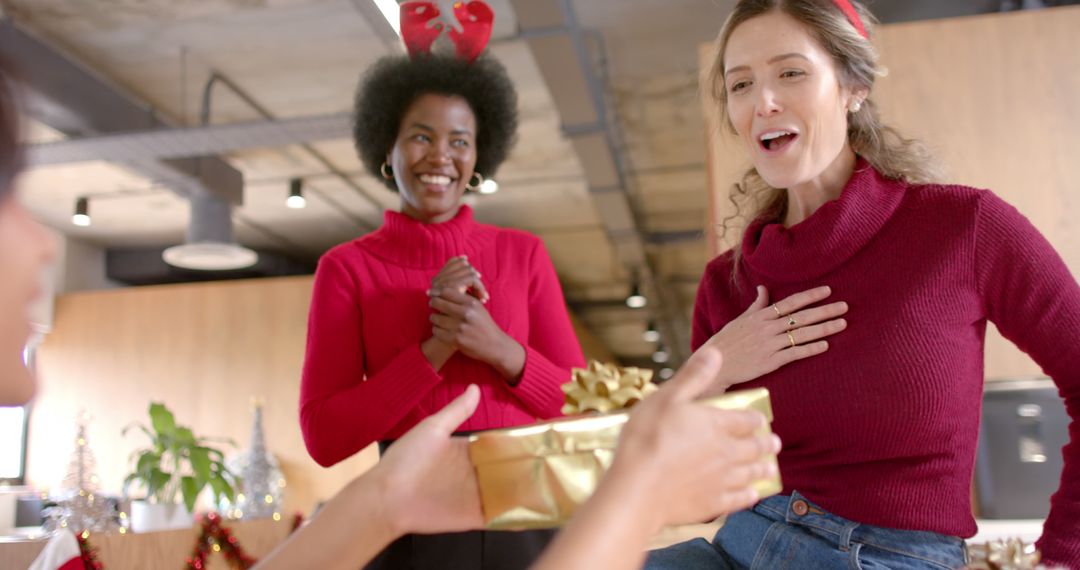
[
  {"x": 206, "y": 350},
  {"x": 996, "y": 97}
]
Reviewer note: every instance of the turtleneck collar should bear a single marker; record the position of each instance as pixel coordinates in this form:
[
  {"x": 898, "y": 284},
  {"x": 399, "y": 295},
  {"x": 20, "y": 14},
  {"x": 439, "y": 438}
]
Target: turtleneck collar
[
  {"x": 411, "y": 243},
  {"x": 830, "y": 236}
]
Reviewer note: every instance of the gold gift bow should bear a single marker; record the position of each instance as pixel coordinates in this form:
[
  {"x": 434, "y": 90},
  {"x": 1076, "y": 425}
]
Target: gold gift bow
[
  {"x": 603, "y": 388},
  {"x": 1005, "y": 554},
  {"x": 535, "y": 476}
]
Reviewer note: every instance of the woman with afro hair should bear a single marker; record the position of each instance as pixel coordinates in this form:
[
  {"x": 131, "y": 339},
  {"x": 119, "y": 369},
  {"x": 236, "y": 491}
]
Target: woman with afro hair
[{"x": 403, "y": 319}]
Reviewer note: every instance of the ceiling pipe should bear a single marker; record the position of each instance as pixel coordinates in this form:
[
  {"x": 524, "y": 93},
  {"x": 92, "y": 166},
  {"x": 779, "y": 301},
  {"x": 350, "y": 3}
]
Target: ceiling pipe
[{"x": 204, "y": 115}]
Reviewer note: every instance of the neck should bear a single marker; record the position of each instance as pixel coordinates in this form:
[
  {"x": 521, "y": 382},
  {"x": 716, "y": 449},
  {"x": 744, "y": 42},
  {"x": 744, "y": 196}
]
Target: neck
[
  {"x": 805, "y": 198},
  {"x": 428, "y": 217}
]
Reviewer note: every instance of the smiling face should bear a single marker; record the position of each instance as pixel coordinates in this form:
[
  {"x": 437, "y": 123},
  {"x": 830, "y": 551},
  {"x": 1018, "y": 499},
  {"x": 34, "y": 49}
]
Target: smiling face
[
  {"x": 25, "y": 249},
  {"x": 434, "y": 156},
  {"x": 785, "y": 100}
]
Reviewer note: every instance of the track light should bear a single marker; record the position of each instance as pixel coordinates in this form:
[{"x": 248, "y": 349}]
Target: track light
[
  {"x": 82, "y": 212},
  {"x": 651, "y": 334},
  {"x": 636, "y": 300},
  {"x": 661, "y": 355},
  {"x": 666, "y": 373},
  {"x": 296, "y": 194}
]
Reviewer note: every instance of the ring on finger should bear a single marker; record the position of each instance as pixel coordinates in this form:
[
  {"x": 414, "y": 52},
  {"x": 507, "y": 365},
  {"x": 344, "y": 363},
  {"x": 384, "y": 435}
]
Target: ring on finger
[
  {"x": 791, "y": 322},
  {"x": 777, "y": 309},
  {"x": 791, "y": 338}
]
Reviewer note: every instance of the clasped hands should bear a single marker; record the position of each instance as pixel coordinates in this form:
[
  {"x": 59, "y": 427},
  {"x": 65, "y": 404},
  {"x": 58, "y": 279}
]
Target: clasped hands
[{"x": 461, "y": 322}]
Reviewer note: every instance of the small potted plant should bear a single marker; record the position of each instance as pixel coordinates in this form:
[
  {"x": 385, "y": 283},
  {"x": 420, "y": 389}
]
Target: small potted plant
[{"x": 175, "y": 465}]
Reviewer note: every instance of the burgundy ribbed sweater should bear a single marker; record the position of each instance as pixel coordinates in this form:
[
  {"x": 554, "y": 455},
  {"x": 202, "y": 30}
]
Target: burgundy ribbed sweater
[
  {"x": 882, "y": 428},
  {"x": 365, "y": 378}
]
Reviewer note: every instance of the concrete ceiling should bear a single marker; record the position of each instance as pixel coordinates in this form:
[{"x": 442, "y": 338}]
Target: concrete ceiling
[{"x": 301, "y": 58}]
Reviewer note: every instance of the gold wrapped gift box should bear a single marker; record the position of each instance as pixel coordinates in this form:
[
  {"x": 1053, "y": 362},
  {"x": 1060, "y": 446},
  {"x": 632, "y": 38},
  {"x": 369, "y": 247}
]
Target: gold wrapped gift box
[{"x": 535, "y": 476}]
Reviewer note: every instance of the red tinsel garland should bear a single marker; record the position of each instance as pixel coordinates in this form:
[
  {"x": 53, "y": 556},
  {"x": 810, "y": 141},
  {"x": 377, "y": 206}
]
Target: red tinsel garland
[
  {"x": 212, "y": 533},
  {"x": 88, "y": 553}
]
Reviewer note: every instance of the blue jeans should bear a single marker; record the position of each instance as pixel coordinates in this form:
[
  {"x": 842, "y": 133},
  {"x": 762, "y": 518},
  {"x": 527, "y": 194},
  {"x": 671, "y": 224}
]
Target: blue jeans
[{"x": 791, "y": 532}]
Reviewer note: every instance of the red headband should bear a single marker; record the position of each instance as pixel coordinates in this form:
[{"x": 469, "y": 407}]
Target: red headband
[{"x": 852, "y": 16}]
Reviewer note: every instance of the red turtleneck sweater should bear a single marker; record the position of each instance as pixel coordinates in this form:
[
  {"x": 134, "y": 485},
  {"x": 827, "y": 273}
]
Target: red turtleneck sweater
[
  {"x": 365, "y": 378},
  {"x": 882, "y": 428}
]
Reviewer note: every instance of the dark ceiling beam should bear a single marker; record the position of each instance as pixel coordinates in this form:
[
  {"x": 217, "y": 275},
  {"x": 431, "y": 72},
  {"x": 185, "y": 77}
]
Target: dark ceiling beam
[{"x": 77, "y": 101}]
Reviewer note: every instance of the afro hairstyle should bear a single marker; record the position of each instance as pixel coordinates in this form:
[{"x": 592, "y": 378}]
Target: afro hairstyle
[{"x": 394, "y": 83}]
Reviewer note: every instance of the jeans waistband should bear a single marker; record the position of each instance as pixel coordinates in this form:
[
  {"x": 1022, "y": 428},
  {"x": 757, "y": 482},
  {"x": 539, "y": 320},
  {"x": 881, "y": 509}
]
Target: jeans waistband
[{"x": 798, "y": 510}]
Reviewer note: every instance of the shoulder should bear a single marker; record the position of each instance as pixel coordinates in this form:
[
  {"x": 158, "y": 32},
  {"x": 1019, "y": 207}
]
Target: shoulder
[
  {"x": 977, "y": 206},
  {"x": 958, "y": 200},
  {"x": 348, "y": 252},
  {"x": 516, "y": 236},
  {"x": 719, "y": 276},
  {"x": 721, "y": 265},
  {"x": 518, "y": 241},
  {"x": 953, "y": 196},
  {"x": 347, "y": 261}
]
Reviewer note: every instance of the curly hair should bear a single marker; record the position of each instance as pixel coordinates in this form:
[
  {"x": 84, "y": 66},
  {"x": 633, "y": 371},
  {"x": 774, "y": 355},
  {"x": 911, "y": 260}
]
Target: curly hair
[{"x": 390, "y": 87}]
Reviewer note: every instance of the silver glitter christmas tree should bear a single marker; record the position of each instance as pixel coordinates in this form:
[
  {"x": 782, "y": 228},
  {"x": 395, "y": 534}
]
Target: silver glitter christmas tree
[
  {"x": 80, "y": 508},
  {"x": 262, "y": 483}
]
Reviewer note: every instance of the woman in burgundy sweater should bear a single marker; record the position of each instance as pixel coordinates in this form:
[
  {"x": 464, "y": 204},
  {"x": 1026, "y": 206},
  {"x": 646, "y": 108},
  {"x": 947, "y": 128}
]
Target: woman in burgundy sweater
[
  {"x": 405, "y": 318},
  {"x": 879, "y": 422}
]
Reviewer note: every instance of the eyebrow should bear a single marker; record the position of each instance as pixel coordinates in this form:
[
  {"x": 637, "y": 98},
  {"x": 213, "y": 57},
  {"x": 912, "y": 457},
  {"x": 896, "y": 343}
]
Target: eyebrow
[
  {"x": 771, "y": 61},
  {"x": 429, "y": 128}
]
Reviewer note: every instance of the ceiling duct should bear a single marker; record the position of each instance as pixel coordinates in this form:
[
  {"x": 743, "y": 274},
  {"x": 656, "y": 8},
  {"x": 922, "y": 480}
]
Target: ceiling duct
[
  {"x": 192, "y": 141},
  {"x": 71, "y": 98},
  {"x": 210, "y": 245}
]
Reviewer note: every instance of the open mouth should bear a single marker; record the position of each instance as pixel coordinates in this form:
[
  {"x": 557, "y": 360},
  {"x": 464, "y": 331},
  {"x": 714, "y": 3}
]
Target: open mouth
[
  {"x": 436, "y": 182},
  {"x": 777, "y": 140}
]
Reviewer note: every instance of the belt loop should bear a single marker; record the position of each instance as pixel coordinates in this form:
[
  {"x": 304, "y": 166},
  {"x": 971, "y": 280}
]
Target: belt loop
[{"x": 845, "y": 536}]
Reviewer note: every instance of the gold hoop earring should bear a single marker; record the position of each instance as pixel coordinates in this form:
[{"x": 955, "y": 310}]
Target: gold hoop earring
[
  {"x": 386, "y": 172},
  {"x": 475, "y": 186}
]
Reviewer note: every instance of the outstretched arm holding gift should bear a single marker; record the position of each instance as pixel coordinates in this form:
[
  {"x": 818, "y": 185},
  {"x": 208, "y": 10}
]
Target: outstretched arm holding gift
[
  {"x": 700, "y": 466},
  {"x": 423, "y": 484}
]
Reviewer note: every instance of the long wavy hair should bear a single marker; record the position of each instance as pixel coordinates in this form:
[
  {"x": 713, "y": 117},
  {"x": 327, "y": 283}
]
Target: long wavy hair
[{"x": 891, "y": 154}]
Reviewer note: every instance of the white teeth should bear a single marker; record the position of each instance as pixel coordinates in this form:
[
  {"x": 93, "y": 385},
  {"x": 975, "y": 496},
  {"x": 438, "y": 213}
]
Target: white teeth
[
  {"x": 775, "y": 135},
  {"x": 434, "y": 179}
]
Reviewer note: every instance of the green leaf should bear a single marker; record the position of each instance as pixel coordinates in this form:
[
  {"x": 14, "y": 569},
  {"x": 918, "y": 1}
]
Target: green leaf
[
  {"x": 190, "y": 489},
  {"x": 127, "y": 483},
  {"x": 162, "y": 419},
  {"x": 147, "y": 461},
  {"x": 221, "y": 488},
  {"x": 141, "y": 427},
  {"x": 227, "y": 440},
  {"x": 184, "y": 437},
  {"x": 200, "y": 464},
  {"x": 158, "y": 479}
]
